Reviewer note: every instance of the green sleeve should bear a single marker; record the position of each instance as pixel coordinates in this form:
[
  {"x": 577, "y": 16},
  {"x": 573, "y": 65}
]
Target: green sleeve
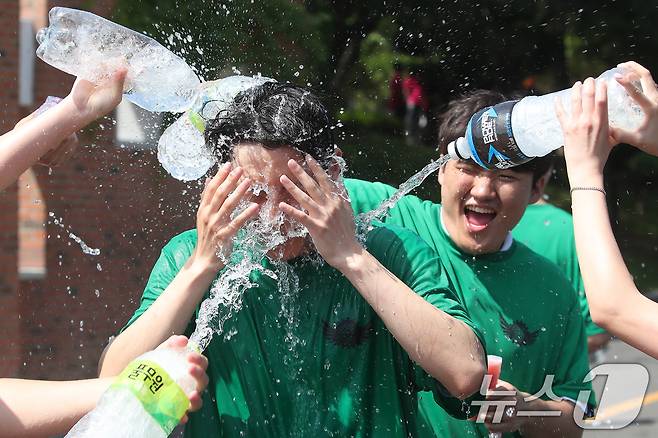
[
  {"x": 573, "y": 365},
  {"x": 410, "y": 259},
  {"x": 172, "y": 258}
]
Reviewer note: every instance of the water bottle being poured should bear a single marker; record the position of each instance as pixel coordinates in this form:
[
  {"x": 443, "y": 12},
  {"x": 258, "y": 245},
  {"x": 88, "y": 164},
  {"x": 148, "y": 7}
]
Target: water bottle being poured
[
  {"x": 514, "y": 132},
  {"x": 88, "y": 46}
]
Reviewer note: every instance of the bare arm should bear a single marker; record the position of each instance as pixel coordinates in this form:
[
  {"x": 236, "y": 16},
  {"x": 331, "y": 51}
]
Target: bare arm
[
  {"x": 424, "y": 331},
  {"x": 22, "y": 147},
  {"x": 173, "y": 309},
  {"x": 614, "y": 301},
  {"x": 420, "y": 328},
  {"x": 41, "y": 408}
]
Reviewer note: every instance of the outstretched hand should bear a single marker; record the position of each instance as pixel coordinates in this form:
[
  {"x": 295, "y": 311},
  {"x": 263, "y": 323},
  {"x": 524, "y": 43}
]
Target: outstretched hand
[
  {"x": 325, "y": 211},
  {"x": 645, "y": 136}
]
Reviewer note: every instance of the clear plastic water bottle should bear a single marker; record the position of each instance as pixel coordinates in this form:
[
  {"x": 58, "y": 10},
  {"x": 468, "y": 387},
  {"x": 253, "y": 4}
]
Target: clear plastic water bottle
[
  {"x": 512, "y": 133},
  {"x": 182, "y": 147},
  {"x": 88, "y": 46},
  {"x": 147, "y": 400}
]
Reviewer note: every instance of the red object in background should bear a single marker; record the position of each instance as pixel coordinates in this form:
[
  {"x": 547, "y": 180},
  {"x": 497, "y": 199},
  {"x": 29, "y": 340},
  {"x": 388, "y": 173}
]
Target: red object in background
[{"x": 414, "y": 93}]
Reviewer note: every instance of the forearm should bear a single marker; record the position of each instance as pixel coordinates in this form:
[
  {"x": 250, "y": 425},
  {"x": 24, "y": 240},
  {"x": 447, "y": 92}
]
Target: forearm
[
  {"x": 563, "y": 426},
  {"x": 445, "y": 347},
  {"x": 168, "y": 315},
  {"x": 614, "y": 301},
  {"x": 41, "y": 408},
  {"x": 21, "y": 147}
]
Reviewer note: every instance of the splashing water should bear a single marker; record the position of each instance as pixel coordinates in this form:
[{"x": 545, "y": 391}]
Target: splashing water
[
  {"x": 364, "y": 220},
  {"x": 85, "y": 248},
  {"x": 257, "y": 238}
]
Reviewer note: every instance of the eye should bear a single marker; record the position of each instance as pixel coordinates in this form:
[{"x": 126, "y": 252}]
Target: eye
[{"x": 507, "y": 177}]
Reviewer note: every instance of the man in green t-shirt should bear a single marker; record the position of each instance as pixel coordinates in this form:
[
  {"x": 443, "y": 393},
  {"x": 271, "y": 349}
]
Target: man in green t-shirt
[
  {"x": 548, "y": 230},
  {"x": 527, "y": 310},
  {"x": 325, "y": 336}
]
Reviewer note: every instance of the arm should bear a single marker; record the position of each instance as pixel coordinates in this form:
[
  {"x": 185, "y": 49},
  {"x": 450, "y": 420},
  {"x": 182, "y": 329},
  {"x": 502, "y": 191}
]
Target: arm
[
  {"x": 21, "y": 147},
  {"x": 39, "y": 408},
  {"x": 171, "y": 312},
  {"x": 615, "y": 303},
  {"x": 419, "y": 327}
]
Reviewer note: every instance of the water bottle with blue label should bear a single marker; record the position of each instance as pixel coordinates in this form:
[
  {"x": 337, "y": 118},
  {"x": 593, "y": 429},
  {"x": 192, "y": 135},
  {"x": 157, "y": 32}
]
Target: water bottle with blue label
[{"x": 512, "y": 133}]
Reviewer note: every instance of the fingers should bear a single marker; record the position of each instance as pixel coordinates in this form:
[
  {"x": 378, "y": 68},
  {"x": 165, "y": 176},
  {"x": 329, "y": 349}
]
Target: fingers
[
  {"x": 601, "y": 103},
  {"x": 576, "y": 100},
  {"x": 195, "y": 402},
  {"x": 642, "y": 99},
  {"x": 296, "y": 214},
  {"x": 309, "y": 184},
  {"x": 323, "y": 180},
  {"x": 588, "y": 93},
  {"x": 249, "y": 213},
  {"x": 648, "y": 84},
  {"x": 236, "y": 194},
  {"x": 299, "y": 195},
  {"x": 212, "y": 185},
  {"x": 227, "y": 187}
]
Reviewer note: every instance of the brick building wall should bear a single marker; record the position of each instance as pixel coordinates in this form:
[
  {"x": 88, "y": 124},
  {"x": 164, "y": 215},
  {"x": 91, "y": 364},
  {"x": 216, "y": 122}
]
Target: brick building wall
[
  {"x": 9, "y": 303},
  {"x": 116, "y": 199}
]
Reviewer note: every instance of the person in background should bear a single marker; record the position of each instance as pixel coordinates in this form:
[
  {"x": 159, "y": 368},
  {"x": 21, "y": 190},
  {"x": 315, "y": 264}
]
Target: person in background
[
  {"x": 417, "y": 105},
  {"x": 527, "y": 309},
  {"x": 548, "y": 230},
  {"x": 614, "y": 300},
  {"x": 396, "y": 104}
]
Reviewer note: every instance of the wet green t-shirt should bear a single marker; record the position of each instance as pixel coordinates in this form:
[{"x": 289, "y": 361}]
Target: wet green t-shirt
[
  {"x": 525, "y": 307},
  {"x": 548, "y": 230},
  {"x": 317, "y": 361}
]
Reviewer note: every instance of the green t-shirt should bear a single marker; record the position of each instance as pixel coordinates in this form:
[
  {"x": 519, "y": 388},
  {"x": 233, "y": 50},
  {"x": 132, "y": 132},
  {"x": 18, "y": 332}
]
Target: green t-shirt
[
  {"x": 319, "y": 361},
  {"x": 548, "y": 230},
  {"x": 523, "y": 304}
]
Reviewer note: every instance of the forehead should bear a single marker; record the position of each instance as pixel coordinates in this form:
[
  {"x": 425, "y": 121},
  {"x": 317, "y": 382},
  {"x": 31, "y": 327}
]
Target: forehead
[
  {"x": 264, "y": 165},
  {"x": 474, "y": 168}
]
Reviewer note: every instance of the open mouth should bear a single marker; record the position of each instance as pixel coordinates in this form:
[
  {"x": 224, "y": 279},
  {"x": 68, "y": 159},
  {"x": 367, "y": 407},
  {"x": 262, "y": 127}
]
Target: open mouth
[{"x": 478, "y": 218}]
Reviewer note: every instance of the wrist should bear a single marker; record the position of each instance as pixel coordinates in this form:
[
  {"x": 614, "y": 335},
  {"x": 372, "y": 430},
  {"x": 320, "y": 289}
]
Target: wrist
[
  {"x": 591, "y": 178},
  {"x": 201, "y": 269},
  {"x": 72, "y": 113},
  {"x": 352, "y": 261}
]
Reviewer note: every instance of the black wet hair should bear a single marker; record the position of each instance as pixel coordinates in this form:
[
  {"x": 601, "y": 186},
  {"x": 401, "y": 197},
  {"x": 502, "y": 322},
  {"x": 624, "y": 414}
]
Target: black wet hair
[
  {"x": 453, "y": 122},
  {"x": 273, "y": 114}
]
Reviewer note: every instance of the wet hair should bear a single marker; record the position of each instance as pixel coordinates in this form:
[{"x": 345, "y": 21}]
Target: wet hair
[
  {"x": 274, "y": 115},
  {"x": 453, "y": 122}
]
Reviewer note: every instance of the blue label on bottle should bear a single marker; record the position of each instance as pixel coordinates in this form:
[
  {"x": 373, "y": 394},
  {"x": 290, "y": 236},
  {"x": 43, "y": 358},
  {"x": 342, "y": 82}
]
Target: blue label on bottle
[{"x": 491, "y": 139}]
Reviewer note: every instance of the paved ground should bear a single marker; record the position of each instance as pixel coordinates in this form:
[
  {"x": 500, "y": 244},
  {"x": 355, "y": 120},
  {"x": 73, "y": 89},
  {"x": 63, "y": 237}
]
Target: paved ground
[{"x": 646, "y": 424}]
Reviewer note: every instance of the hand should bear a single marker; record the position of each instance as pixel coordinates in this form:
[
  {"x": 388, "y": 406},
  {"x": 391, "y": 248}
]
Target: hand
[
  {"x": 197, "y": 369},
  {"x": 91, "y": 101},
  {"x": 645, "y": 136},
  {"x": 327, "y": 214},
  {"x": 509, "y": 422},
  {"x": 215, "y": 228},
  {"x": 587, "y": 143}
]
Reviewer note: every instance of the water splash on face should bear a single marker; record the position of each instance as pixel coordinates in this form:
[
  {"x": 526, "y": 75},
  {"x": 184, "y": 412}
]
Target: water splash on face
[{"x": 262, "y": 237}]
